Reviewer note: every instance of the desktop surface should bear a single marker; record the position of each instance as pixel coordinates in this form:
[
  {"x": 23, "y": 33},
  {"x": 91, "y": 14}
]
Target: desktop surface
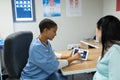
[{"x": 84, "y": 66}]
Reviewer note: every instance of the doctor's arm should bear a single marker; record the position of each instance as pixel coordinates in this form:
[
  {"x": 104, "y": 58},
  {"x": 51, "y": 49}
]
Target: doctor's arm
[
  {"x": 66, "y": 62},
  {"x": 60, "y": 56}
]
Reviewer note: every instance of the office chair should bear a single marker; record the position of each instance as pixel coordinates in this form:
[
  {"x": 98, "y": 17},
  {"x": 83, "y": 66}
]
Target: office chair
[{"x": 16, "y": 48}]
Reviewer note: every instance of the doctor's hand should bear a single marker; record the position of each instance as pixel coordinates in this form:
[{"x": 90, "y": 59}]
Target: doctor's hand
[{"x": 74, "y": 57}]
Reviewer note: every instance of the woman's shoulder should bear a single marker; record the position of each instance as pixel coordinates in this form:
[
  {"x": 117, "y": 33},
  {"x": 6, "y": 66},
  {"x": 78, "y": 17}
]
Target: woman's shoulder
[
  {"x": 115, "y": 47},
  {"x": 114, "y": 51}
]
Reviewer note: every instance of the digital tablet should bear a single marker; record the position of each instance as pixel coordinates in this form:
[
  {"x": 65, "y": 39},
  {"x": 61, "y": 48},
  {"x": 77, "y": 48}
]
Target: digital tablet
[{"x": 83, "y": 52}]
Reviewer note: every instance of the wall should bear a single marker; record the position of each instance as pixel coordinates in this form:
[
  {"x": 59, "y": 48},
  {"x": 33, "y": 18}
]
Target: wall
[
  {"x": 6, "y": 23},
  {"x": 70, "y": 29},
  {"x": 109, "y": 8}
]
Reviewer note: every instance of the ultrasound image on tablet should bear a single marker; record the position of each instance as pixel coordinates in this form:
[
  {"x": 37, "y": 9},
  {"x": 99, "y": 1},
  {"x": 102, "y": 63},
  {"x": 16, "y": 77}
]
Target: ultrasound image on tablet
[{"x": 83, "y": 53}]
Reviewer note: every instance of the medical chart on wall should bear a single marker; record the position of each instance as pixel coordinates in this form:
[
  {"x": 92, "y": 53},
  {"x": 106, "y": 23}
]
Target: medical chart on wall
[
  {"x": 73, "y": 8},
  {"x": 23, "y": 10},
  {"x": 117, "y": 5},
  {"x": 51, "y": 8}
]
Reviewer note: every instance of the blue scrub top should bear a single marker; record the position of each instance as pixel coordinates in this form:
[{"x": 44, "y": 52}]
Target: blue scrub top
[
  {"x": 41, "y": 62},
  {"x": 108, "y": 68}
]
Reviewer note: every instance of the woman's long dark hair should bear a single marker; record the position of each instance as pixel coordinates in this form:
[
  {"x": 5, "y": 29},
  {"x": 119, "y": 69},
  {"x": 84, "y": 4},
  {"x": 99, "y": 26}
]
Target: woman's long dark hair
[{"x": 110, "y": 31}]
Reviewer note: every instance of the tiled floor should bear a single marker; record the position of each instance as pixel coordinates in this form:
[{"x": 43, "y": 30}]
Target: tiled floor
[{"x": 83, "y": 76}]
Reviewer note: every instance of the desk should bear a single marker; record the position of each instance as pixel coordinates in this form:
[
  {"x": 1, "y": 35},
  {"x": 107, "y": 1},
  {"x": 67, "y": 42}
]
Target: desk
[
  {"x": 2, "y": 65},
  {"x": 1, "y": 52},
  {"x": 83, "y": 66},
  {"x": 0, "y": 62}
]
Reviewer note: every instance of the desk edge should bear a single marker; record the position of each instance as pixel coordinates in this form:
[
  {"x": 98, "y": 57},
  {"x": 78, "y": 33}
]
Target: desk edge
[{"x": 78, "y": 71}]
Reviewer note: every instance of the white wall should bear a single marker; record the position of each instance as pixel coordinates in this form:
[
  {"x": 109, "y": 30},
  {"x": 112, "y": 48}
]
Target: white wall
[
  {"x": 70, "y": 29},
  {"x": 6, "y": 23},
  {"x": 109, "y": 8}
]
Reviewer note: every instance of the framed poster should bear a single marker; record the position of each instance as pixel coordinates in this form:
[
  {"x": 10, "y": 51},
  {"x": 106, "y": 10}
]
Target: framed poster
[
  {"x": 74, "y": 8},
  {"x": 23, "y": 10},
  {"x": 51, "y": 8},
  {"x": 117, "y": 5}
]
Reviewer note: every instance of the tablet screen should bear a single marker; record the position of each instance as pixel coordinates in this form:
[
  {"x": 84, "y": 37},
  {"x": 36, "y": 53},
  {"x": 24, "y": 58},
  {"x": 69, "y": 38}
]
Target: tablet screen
[{"x": 83, "y": 52}]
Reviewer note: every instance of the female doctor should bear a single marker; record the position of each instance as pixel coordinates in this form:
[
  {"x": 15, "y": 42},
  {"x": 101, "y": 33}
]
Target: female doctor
[{"x": 42, "y": 63}]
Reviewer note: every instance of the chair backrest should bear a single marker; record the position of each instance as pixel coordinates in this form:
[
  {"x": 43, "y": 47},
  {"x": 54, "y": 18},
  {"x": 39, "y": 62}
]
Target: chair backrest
[{"x": 16, "y": 48}]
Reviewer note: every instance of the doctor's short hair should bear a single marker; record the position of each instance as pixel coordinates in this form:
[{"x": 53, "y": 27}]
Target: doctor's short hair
[{"x": 46, "y": 23}]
